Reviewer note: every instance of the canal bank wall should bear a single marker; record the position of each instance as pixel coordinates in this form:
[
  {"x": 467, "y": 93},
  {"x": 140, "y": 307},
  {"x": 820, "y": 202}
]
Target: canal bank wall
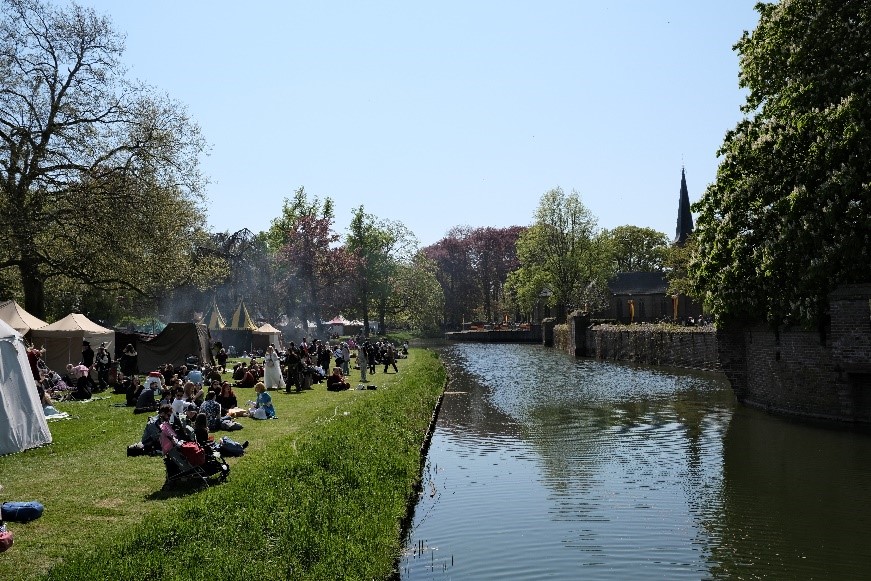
[
  {"x": 820, "y": 374},
  {"x": 669, "y": 345}
]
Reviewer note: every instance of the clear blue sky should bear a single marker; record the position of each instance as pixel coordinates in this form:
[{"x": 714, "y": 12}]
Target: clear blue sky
[{"x": 447, "y": 113}]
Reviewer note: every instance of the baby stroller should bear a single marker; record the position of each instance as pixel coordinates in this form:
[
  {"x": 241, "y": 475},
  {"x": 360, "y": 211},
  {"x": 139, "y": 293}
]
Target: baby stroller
[{"x": 181, "y": 470}]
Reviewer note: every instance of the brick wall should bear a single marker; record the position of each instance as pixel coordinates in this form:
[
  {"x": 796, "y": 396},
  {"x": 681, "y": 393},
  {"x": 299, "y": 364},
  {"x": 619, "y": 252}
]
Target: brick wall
[
  {"x": 819, "y": 373},
  {"x": 823, "y": 373}
]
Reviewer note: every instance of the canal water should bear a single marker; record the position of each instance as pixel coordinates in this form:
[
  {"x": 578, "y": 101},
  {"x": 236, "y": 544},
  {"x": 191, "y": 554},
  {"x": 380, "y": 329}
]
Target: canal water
[{"x": 543, "y": 466}]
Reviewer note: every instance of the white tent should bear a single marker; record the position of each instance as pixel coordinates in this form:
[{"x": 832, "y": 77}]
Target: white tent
[
  {"x": 18, "y": 318},
  {"x": 266, "y": 335},
  {"x": 63, "y": 340},
  {"x": 22, "y": 422}
]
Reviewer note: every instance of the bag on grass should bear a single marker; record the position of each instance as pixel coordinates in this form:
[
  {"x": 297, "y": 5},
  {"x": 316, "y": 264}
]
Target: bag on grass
[
  {"x": 194, "y": 453},
  {"x": 21, "y": 511},
  {"x": 230, "y": 448},
  {"x": 230, "y": 425}
]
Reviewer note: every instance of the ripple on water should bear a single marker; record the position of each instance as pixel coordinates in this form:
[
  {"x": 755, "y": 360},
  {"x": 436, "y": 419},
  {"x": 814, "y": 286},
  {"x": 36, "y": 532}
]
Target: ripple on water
[{"x": 547, "y": 466}]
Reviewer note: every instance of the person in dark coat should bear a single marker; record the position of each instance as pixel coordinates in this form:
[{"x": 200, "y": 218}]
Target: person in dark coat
[
  {"x": 129, "y": 361},
  {"x": 87, "y": 355}
]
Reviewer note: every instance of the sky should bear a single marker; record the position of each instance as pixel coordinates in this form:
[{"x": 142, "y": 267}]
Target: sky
[{"x": 451, "y": 113}]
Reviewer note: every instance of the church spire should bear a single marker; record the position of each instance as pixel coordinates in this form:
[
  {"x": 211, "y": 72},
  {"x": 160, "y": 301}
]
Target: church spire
[{"x": 684, "y": 215}]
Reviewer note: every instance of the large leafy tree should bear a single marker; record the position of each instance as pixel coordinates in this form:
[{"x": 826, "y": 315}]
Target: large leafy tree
[
  {"x": 637, "y": 249},
  {"x": 456, "y": 275},
  {"x": 309, "y": 264},
  {"x": 494, "y": 256},
  {"x": 416, "y": 298},
  {"x": 378, "y": 248},
  {"x": 562, "y": 256},
  {"x": 99, "y": 180},
  {"x": 788, "y": 218},
  {"x": 472, "y": 265}
]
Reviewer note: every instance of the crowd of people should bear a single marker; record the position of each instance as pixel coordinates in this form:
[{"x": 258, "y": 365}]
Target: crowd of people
[
  {"x": 298, "y": 367},
  {"x": 193, "y": 401}
]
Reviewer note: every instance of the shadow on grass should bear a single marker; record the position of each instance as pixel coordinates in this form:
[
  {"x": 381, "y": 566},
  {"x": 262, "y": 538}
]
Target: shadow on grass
[{"x": 180, "y": 490}]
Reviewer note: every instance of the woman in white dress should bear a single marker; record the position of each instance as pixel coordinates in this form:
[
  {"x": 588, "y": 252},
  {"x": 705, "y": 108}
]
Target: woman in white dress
[{"x": 272, "y": 376}]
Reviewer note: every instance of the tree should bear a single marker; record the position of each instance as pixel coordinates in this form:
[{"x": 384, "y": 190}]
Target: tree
[
  {"x": 99, "y": 177},
  {"x": 472, "y": 265},
  {"x": 377, "y": 248},
  {"x": 416, "y": 298},
  {"x": 493, "y": 256},
  {"x": 788, "y": 218},
  {"x": 308, "y": 263},
  {"x": 562, "y": 254},
  {"x": 637, "y": 249},
  {"x": 456, "y": 275}
]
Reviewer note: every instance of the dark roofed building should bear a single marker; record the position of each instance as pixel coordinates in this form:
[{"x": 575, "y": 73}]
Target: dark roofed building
[
  {"x": 642, "y": 297},
  {"x": 638, "y": 297}
]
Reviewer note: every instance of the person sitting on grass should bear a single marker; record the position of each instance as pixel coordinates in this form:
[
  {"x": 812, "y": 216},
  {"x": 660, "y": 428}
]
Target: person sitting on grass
[
  {"x": 193, "y": 393},
  {"x": 248, "y": 380},
  {"x": 213, "y": 411},
  {"x": 179, "y": 404},
  {"x": 262, "y": 409},
  {"x": 145, "y": 399},
  {"x": 336, "y": 381},
  {"x": 201, "y": 430},
  {"x": 227, "y": 398}
]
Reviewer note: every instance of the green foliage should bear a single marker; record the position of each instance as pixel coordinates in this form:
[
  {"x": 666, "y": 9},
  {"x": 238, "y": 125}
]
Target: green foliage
[
  {"x": 637, "y": 249},
  {"x": 561, "y": 253},
  {"x": 89, "y": 157},
  {"x": 416, "y": 298},
  {"x": 788, "y": 218}
]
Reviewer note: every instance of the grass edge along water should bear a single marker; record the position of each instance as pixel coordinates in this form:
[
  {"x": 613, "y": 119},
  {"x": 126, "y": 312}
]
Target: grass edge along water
[{"x": 323, "y": 501}]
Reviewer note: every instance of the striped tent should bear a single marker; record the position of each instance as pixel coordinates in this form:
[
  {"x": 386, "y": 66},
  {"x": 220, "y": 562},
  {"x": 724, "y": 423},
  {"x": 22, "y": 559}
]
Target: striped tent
[
  {"x": 241, "y": 319},
  {"x": 214, "y": 320}
]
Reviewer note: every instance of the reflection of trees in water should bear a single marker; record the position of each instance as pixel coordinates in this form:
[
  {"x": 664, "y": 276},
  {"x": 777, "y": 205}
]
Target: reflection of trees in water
[
  {"x": 794, "y": 501},
  {"x": 602, "y": 430}
]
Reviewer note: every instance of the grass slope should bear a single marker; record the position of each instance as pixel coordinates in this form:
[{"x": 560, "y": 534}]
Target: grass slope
[{"x": 319, "y": 494}]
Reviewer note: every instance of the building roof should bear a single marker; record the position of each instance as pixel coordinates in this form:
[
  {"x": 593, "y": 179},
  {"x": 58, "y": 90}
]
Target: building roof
[
  {"x": 638, "y": 283},
  {"x": 684, "y": 214}
]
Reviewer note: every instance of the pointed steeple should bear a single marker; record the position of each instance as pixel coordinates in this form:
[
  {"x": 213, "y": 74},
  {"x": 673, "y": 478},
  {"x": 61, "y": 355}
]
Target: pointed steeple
[{"x": 684, "y": 215}]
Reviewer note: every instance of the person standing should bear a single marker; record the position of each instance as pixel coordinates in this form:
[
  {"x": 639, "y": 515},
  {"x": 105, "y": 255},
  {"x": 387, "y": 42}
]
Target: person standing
[
  {"x": 103, "y": 360},
  {"x": 363, "y": 362},
  {"x": 128, "y": 362},
  {"x": 87, "y": 355},
  {"x": 272, "y": 377}
]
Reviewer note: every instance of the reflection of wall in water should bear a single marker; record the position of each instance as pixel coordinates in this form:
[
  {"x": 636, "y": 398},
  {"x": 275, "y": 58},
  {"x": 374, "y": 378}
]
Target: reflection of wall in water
[{"x": 794, "y": 499}]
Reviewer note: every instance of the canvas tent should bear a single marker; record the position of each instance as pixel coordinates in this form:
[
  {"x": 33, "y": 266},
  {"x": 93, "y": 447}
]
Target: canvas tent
[
  {"x": 22, "y": 422},
  {"x": 239, "y": 330},
  {"x": 63, "y": 339},
  {"x": 173, "y": 345},
  {"x": 214, "y": 320},
  {"x": 18, "y": 318},
  {"x": 265, "y": 336}
]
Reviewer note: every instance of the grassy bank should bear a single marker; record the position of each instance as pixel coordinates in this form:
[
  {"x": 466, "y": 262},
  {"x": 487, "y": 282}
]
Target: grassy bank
[{"x": 319, "y": 494}]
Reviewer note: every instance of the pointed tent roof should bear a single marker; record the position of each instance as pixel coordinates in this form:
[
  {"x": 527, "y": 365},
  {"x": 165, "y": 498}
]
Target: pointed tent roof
[
  {"x": 76, "y": 322},
  {"x": 214, "y": 320},
  {"x": 338, "y": 320},
  {"x": 241, "y": 319},
  {"x": 684, "y": 214},
  {"x": 267, "y": 329},
  {"x": 18, "y": 318}
]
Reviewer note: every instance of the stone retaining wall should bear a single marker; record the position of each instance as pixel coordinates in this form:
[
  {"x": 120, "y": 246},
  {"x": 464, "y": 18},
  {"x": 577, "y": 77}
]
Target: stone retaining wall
[
  {"x": 824, "y": 373},
  {"x": 687, "y": 347}
]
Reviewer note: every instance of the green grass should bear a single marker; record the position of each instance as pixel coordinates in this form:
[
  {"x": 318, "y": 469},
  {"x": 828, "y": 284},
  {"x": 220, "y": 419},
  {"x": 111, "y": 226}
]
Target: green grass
[{"x": 319, "y": 494}]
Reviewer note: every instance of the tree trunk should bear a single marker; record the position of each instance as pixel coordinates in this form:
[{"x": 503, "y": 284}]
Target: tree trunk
[{"x": 34, "y": 288}]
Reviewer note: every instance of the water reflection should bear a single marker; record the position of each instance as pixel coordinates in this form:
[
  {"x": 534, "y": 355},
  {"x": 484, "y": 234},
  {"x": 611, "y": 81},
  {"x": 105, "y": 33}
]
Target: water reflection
[{"x": 545, "y": 466}]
